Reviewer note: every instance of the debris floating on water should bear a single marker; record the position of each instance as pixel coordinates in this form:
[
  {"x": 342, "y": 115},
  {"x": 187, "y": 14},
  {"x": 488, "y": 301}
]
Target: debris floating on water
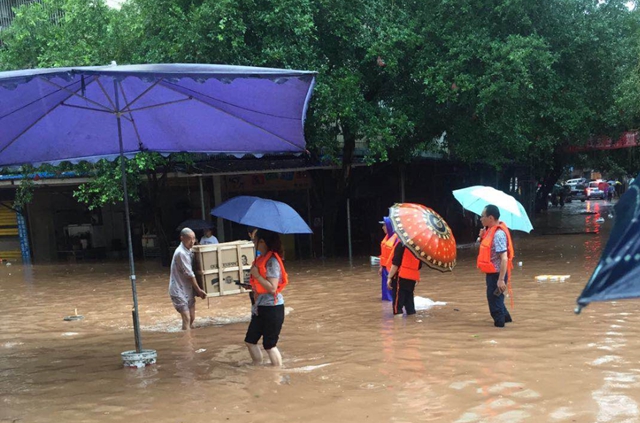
[
  {"x": 422, "y": 303},
  {"x": 74, "y": 317},
  {"x": 560, "y": 278}
]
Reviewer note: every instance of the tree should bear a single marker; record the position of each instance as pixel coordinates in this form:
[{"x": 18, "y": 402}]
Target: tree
[
  {"x": 517, "y": 81},
  {"x": 351, "y": 101},
  {"x": 508, "y": 82},
  {"x": 339, "y": 40},
  {"x": 55, "y": 33},
  {"x": 147, "y": 177}
]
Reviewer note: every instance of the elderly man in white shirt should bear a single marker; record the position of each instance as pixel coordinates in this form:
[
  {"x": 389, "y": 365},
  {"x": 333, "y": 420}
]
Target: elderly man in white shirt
[{"x": 183, "y": 287}]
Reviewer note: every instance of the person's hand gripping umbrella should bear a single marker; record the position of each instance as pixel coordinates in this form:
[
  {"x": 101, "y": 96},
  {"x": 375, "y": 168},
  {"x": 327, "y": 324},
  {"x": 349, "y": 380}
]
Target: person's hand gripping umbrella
[{"x": 426, "y": 234}]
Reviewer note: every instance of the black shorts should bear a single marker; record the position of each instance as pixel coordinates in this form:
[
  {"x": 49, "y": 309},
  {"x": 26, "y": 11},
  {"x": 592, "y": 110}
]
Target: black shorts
[{"x": 267, "y": 324}]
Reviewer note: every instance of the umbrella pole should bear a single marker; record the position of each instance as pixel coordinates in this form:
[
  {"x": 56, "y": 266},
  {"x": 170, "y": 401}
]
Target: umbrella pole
[{"x": 136, "y": 319}]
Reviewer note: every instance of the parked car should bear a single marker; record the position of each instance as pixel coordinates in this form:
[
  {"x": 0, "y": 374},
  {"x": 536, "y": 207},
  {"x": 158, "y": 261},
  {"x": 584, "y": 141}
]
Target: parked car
[
  {"x": 603, "y": 185},
  {"x": 593, "y": 190},
  {"x": 573, "y": 182},
  {"x": 576, "y": 189},
  {"x": 577, "y": 193}
]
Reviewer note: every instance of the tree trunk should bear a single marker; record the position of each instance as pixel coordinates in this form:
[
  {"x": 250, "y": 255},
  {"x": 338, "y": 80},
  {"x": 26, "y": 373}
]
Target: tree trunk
[
  {"x": 155, "y": 186},
  {"x": 549, "y": 181},
  {"x": 331, "y": 193}
]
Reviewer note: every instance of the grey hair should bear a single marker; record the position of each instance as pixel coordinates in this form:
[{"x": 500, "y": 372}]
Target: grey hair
[{"x": 186, "y": 232}]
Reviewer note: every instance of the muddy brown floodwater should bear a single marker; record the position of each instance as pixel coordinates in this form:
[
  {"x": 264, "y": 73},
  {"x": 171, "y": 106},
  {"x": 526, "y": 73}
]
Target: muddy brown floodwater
[{"x": 346, "y": 358}]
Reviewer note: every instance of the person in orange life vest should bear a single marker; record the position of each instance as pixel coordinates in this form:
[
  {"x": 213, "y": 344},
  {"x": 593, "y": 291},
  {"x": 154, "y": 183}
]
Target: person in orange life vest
[
  {"x": 495, "y": 260},
  {"x": 404, "y": 274},
  {"x": 386, "y": 249},
  {"x": 268, "y": 279}
]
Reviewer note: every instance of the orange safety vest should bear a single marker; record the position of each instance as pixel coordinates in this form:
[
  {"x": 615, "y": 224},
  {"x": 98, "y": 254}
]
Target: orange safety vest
[
  {"x": 261, "y": 263},
  {"x": 410, "y": 266},
  {"x": 484, "y": 255},
  {"x": 386, "y": 250}
]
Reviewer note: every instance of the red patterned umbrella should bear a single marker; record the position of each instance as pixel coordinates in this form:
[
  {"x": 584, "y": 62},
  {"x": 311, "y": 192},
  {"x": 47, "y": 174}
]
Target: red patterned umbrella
[{"x": 426, "y": 234}]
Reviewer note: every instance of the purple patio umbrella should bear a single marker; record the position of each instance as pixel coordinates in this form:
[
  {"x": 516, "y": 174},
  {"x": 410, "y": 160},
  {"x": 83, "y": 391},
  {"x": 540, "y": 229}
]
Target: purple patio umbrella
[{"x": 91, "y": 113}]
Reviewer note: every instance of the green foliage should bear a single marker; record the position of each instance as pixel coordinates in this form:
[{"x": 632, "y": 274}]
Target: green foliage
[
  {"x": 517, "y": 80},
  {"x": 24, "y": 192},
  {"x": 106, "y": 185},
  {"x": 55, "y": 33},
  {"x": 615, "y": 164},
  {"x": 507, "y": 80}
]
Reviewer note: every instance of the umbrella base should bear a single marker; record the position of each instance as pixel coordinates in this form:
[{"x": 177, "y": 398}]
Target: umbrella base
[{"x": 134, "y": 359}]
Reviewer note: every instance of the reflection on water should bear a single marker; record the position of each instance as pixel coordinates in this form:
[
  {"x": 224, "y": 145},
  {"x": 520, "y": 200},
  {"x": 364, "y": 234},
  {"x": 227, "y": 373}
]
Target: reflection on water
[
  {"x": 346, "y": 358},
  {"x": 593, "y": 246}
]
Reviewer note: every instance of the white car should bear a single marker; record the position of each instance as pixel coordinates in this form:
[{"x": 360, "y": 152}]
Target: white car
[
  {"x": 594, "y": 191},
  {"x": 573, "y": 182}
]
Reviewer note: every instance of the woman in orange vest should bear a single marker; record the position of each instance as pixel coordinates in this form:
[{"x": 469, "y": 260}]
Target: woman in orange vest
[
  {"x": 404, "y": 274},
  {"x": 386, "y": 250},
  {"x": 495, "y": 259},
  {"x": 268, "y": 280}
]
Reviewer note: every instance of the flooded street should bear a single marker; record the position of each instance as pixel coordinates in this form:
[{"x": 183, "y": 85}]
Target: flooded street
[{"x": 346, "y": 358}]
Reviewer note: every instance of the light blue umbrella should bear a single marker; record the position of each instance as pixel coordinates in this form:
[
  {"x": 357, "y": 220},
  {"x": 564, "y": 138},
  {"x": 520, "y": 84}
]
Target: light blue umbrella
[
  {"x": 262, "y": 213},
  {"x": 477, "y": 197}
]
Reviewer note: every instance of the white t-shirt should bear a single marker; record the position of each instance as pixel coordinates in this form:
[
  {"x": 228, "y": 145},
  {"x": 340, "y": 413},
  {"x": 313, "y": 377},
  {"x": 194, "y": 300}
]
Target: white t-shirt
[
  {"x": 208, "y": 240},
  {"x": 181, "y": 273}
]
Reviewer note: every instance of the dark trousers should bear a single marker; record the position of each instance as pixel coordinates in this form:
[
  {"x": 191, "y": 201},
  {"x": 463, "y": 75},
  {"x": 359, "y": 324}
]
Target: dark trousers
[
  {"x": 497, "y": 308},
  {"x": 402, "y": 293},
  {"x": 266, "y": 324}
]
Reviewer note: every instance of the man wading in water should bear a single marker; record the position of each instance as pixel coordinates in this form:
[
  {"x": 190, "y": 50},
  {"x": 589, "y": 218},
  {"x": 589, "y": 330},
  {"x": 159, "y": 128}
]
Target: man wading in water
[
  {"x": 495, "y": 259},
  {"x": 183, "y": 287}
]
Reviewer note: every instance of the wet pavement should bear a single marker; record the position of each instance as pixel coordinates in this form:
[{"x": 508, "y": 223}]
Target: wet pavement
[{"x": 346, "y": 358}]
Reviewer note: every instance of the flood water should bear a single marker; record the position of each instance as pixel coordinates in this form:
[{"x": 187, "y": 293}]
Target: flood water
[{"x": 346, "y": 358}]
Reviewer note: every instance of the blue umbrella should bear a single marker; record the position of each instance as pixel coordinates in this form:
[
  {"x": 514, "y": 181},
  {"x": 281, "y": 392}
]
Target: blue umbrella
[
  {"x": 262, "y": 213},
  {"x": 91, "y": 113},
  {"x": 617, "y": 275}
]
